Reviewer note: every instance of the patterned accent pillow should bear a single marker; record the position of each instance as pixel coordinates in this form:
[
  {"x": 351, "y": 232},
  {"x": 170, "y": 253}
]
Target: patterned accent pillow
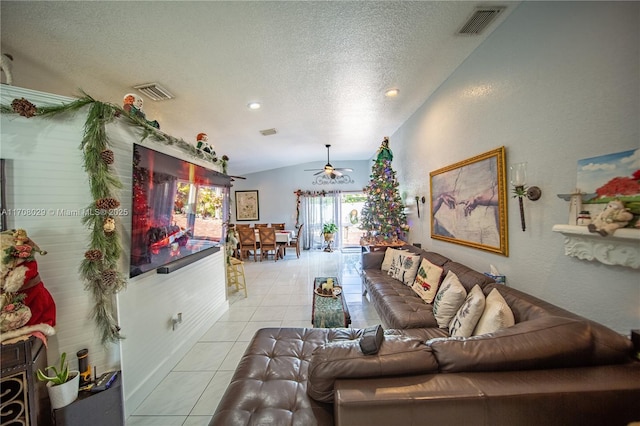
[
  {"x": 496, "y": 316},
  {"x": 427, "y": 280},
  {"x": 449, "y": 298},
  {"x": 466, "y": 319},
  {"x": 404, "y": 266},
  {"x": 388, "y": 257}
]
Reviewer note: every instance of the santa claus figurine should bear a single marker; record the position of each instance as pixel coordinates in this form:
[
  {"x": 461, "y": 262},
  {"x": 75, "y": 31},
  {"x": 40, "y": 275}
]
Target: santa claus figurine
[
  {"x": 26, "y": 306},
  {"x": 203, "y": 144}
]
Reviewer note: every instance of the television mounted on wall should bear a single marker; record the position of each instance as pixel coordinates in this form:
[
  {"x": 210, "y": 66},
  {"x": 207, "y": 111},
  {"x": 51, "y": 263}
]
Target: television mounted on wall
[{"x": 178, "y": 210}]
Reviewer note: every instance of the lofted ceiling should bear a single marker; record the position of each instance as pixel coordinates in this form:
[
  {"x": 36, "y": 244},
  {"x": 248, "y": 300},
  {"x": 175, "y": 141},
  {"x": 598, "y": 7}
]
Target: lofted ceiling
[{"x": 319, "y": 69}]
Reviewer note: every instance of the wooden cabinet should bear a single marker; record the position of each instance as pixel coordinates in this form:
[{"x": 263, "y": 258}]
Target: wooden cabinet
[
  {"x": 24, "y": 397},
  {"x": 95, "y": 409}
]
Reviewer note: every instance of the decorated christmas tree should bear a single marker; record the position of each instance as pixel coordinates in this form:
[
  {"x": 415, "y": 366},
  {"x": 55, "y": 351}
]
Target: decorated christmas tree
[{"x": 383, "y": 214}]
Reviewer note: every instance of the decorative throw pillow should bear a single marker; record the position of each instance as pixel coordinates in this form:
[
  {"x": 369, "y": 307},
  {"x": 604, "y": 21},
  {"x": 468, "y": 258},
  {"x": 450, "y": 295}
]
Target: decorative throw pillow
[
  {"x": 388, "y": 257},
  {"x": 404, "y": 266},
  {"x": 466, "y": 319},
  {"x": 427, "y": 280},
  {"x": 496, "y": 316},
  {"x": 450, "y": 296}
]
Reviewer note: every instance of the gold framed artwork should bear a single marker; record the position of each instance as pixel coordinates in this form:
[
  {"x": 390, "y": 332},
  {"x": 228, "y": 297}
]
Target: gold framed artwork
[
  {"x": 247, "y": 206},
  {"x": 469, "y": 203}
]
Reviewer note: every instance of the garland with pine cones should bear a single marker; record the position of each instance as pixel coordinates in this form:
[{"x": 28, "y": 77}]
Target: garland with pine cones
[{"x": 99, "y": 268}]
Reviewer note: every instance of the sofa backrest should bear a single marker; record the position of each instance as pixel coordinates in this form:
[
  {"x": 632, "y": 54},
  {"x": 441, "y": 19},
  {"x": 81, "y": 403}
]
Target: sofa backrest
[
  {"x": 545, "y": 342},
  {"x": 608, "y": 346},
  {"x": 467, "y": 276}
]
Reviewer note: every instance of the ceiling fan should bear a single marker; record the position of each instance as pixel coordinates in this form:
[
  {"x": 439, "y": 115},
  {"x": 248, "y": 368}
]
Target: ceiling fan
[
  {"x": 233, "y": 178},
  {"x": 328, "y": 169}
]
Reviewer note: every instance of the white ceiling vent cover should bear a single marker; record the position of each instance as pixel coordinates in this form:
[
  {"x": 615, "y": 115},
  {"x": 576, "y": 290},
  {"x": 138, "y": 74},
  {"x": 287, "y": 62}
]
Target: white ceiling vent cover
[
  {"x": 268, "y": 132},
  {"x": 480, "y": 20},
  {"x": 154, "y": 91}
]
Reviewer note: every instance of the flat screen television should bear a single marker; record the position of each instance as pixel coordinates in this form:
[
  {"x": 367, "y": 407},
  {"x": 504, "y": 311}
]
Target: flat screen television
[{"x": 178, "y": 209}]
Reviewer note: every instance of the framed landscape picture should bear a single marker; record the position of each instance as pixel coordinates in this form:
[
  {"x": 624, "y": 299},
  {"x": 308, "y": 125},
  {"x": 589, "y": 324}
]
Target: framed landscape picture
[
  {"x": 469, "y": 203},
  {"x": 247, "y": 205},
  {"x": 611, "y": 176}
]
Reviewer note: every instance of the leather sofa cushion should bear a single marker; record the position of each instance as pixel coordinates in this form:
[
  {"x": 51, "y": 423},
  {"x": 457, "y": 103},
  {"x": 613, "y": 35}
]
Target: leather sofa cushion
[
  {"x": 398, "y": 356},
  {"x": 545, "y": 342},
  {"x": 397, "y": 304},
  {"x": 269, "y": 385}
]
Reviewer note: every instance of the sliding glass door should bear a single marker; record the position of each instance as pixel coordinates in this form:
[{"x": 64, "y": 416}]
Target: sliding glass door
[{"x": 351, "y": 204}]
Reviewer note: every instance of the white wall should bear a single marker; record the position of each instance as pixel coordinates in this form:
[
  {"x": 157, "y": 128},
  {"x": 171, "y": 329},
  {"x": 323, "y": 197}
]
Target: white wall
[
  {"x": 555, "y": 83},
  {"x": 198, "y": 291},
  {"x": 276, "y": 187},
  {"x": 46, "y": 172}
]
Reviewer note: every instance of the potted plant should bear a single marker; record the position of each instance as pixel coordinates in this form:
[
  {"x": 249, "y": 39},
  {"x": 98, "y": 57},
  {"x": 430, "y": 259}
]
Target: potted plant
[
  {"x": 62, "y": 385},
  {"x": 328, "y": 229}
]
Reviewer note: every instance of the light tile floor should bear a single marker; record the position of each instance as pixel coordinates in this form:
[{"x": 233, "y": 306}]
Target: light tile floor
[{"x": 279, "y": 295}]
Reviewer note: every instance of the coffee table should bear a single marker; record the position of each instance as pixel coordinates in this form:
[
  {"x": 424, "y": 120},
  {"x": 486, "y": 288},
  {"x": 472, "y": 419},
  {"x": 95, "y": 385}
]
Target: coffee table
[{"x": 329, "y": 311}]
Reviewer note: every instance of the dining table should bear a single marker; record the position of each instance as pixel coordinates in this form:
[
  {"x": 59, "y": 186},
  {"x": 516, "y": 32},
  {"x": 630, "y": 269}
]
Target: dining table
[{"x": 282, "y": 236}]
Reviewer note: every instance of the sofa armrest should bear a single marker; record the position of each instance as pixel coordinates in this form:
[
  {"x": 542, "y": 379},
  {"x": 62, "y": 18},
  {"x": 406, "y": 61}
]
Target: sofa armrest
[
  {"x": 398, "y": 355},
  {"x": 372, "y": 260}
]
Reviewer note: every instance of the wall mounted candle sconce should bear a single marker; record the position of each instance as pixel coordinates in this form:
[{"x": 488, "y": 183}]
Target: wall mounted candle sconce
[
  {"x": 520, "y": 189},
  {"x": 418, "y": 199}
]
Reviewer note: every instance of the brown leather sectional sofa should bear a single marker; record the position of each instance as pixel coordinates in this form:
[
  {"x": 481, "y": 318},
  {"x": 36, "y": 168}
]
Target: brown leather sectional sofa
[{"x": 551, "y": 368}]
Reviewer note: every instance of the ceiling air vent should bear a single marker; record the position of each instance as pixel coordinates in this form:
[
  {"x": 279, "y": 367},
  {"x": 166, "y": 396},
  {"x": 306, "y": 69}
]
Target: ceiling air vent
[
  {"x": 154, "y": 91},
  {"x": 480, "y": 20},
  {"x": 268, "y": 132}
]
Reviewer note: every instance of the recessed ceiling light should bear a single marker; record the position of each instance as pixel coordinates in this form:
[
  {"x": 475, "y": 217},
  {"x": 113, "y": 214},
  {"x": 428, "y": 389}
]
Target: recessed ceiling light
[
  {"x": 391, "y": 93},
  {"x": 254, "y": 105}
]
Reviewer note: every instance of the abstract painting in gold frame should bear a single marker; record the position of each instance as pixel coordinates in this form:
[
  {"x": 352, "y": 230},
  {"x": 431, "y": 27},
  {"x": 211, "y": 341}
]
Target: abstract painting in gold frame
[{"x": 469, "y": 203}]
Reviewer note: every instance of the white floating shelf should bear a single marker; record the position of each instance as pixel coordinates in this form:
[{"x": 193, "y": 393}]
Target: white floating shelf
[{"x": 620, "y": 248}]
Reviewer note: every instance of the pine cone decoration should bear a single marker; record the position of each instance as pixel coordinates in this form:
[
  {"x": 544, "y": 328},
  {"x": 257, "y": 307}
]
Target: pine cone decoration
[
  {"x": 93, "y": 255},
  {"x": 107, "y": 156},
  {"x": 107, "y": 203},
  {"x": 109, "y": 277},
  {"x": 23, "y": 107}
]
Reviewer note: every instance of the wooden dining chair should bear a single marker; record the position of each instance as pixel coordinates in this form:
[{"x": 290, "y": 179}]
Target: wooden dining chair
[
  {"x": 295, "y": 241},
  {"x": 268, "y": 243},
  {"x": 278, "y": 226},
  {"x": 247, "y": 238},
  {"x": 261, "y": 225},
  {"x": 243, "y": 225}
]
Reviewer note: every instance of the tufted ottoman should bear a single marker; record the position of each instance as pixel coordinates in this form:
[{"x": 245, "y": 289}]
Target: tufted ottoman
[{"x": 269, "y": 386}]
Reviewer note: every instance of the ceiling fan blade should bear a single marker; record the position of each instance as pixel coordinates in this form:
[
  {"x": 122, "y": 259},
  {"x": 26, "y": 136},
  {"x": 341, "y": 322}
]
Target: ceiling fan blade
[
  {"x": 237, "y": 177},
  {"x": 336, "y": 172},
  {"x": 344, "y": 169},
  {"x": 319, "y": 173}
]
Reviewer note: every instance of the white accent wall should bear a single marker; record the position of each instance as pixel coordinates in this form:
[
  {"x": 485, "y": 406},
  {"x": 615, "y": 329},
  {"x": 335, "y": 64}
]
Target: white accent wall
[
  {"x": 555, "y": 83},
  {"x": 45, "y": 171}
]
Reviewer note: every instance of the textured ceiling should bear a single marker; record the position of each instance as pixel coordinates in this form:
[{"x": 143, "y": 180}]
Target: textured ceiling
[{"x": 320, "y": 69}]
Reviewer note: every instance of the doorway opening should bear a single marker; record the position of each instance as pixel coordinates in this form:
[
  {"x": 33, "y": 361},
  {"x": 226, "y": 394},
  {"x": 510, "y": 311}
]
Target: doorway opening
[{"x": 351, "y": 204}]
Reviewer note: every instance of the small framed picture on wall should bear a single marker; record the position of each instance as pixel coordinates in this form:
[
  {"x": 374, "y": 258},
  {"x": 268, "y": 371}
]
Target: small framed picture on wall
[{"x": 247, "y": 206}]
